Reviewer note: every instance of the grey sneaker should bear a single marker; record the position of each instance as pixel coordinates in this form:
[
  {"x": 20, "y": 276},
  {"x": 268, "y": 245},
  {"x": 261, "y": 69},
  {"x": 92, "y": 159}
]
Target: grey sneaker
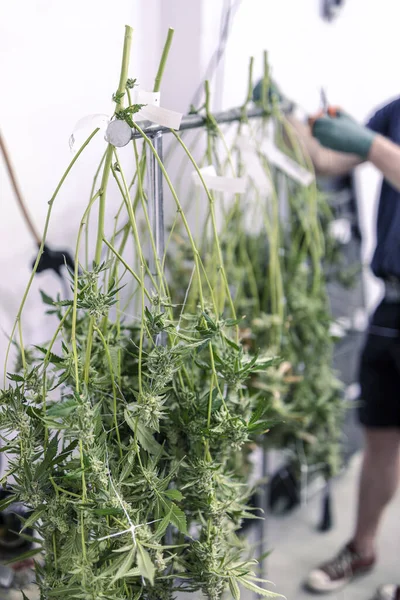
[
  {"x": 388, "y": 592},
  {"x": 339, "y": 571}
]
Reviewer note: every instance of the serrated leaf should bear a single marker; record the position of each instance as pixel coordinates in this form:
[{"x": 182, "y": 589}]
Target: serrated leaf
[
  {"x": 33, "y": 518},
  {"x": 257, "y": 414},
  {"x": 65, "y": 453},
  {"x": 209, "y": 321},
  {"x": 234, "y": 588},
  {"x": 51, "y": 357},
  {"x": 65, "y": 591},
  {"x": 62, "y": 409},
  {"x": 48, "y": 458},
  {"x": 145, "y": 566},
  {"x": 178, "y": 518},
  {"x": 147, "y": 441},
  {"x": 46, "y": 299},
  {"x": 126, "y": 548},
  {"x": 114, "y": 354},
  {"x": 162, "y": 527},
  {"x": 64, "y": 303},
  {"x": 125, "y": 565},
  {"x": 107, "y": 512},
  {"x": 258, "y": 590},
  {"x": 264, "y": 555},
  {"x": 25, "y": 556},
  {"x": 9, "y": 448},
  {"x": 6, "y": 502},
  {"x": 174, "y": 494},
  {"x": 233, "y": 322},
  {"x": 15, "y": 377},
  {"x": 231, "y": 343},
  {"x": 133, "y": 572},
  {"x": 29, "y": 538},
  {"x": 54, "y": 424}
]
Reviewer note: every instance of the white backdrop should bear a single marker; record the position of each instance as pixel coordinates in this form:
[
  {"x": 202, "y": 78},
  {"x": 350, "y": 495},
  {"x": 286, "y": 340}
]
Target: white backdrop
[{"x": 60, "y": 61}]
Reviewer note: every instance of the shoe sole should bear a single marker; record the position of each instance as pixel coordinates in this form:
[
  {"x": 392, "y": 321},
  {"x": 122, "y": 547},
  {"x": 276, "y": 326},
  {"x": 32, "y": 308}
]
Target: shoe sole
[{"x": 360, "y": 573}]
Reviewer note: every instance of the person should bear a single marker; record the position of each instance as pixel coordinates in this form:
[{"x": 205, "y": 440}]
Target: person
[{"x": 336, "y": 145}]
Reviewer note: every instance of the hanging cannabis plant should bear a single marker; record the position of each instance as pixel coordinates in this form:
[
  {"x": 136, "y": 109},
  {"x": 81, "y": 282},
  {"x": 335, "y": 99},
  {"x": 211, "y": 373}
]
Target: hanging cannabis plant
[
  {"x": 124, "y": 431},
  {"x": 276, "y": 248}
]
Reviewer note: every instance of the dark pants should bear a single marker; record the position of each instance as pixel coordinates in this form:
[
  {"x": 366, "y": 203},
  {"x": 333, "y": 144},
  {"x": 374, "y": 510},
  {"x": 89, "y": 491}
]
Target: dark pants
[{"x": 380, "y": 369}]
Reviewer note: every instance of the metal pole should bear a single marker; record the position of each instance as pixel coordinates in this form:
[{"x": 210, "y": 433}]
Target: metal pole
[
  {"x": 156, "y": 201},
  {"x": 262, "y": 503},
  {"x": 156, "y": 212}
]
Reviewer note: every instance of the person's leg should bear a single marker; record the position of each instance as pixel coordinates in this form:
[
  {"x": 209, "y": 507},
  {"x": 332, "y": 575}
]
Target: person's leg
[
  {"x": 379, "y": 414},
  {"x": 378, "y": 483}
]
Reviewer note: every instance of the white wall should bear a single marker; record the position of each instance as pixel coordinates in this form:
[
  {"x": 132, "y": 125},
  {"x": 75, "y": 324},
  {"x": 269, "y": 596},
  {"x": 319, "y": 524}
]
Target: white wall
[{"x": 60, "y": 61}]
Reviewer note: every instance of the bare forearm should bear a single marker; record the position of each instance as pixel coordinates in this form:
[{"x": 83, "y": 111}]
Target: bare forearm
[
  {"x": 385, "y": 155},
  {"x": 326, "y": 162}
]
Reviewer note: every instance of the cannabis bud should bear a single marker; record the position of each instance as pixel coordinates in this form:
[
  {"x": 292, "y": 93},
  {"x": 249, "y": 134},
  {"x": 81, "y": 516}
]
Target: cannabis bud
[{"x": 131, "y": 83}]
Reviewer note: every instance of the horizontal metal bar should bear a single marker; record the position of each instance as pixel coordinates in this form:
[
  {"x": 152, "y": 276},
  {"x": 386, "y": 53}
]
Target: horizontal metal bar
[
  {"x": 119, "y": 134},
  {"x": 196, "y": 121}
]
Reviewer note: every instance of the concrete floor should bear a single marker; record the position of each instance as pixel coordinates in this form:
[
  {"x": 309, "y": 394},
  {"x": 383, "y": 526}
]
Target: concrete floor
[{"x": 298, "y": 546}]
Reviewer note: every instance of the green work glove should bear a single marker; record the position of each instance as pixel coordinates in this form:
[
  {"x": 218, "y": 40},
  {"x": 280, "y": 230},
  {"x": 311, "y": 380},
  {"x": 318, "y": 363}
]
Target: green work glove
[
  {"x": 274, "y": 94},
  {"x": 273, "y": 91},
  {"x": 343, "y": 134}
]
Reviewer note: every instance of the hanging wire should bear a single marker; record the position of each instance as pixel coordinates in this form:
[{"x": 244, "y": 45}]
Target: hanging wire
[{"x": 228, "y": 12}]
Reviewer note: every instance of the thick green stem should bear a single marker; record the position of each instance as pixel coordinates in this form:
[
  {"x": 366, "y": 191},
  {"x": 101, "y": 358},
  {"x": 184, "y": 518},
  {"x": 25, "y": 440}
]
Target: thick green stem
[
  {"x": 250, "y": 83},
  {"x": 110, "y": 150},
  {"x": 41, "y": 249},
  {"x": 75, "y": 300},
  {"x": 265, "y": 83},
  {"x": 163, "y": 61},
  {"x": 214, "y": 225},
  {"x": 124, "y": 67},
  {"x": 127, "y": 267},
  {"x": 102, "y": 203},
  {"x": 113, "y": 386},
  {"x": 96, "y": 175},
  {"x": 104, "y": 181},
  {"x": 180, "y": 210}
]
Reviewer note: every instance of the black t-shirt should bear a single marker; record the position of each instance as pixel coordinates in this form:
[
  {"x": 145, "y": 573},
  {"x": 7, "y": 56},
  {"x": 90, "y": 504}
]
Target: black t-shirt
[{"x": 386, "y": 259}]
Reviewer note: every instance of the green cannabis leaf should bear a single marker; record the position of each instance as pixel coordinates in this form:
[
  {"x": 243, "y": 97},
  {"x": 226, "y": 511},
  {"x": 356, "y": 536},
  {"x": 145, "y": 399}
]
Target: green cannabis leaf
[{"x": 129, "y": 433}]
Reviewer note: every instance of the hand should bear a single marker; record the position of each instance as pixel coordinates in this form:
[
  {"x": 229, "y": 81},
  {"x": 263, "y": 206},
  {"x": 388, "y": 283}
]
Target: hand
[
  {"x": 274, "y": 95},
  {"x": 273, "y": 91},
  {"x": 343, "y": 134}
]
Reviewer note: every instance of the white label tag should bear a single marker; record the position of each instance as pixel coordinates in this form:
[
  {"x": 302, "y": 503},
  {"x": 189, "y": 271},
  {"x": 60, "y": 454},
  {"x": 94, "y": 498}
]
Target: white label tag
[
  {"x": 281, "y": 161},
  {"x": 233, "y": 185},
  {"x": 253, "y": 166},
  {"x": 84, "y": 127},
  {"x": 144, "y": 97},
  {"x": 161, "y": 116}
]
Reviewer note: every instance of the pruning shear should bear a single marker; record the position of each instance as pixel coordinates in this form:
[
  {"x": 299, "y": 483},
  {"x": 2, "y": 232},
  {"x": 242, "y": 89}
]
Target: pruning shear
[
  {"x": 324, "y": 101},
  {"x": 326, "y": 110},
  {"x": 331, "y": 111}
]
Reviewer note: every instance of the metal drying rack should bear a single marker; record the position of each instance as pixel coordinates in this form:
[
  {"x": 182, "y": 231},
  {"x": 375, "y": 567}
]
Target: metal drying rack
[{"x": 119, "y": 134}]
